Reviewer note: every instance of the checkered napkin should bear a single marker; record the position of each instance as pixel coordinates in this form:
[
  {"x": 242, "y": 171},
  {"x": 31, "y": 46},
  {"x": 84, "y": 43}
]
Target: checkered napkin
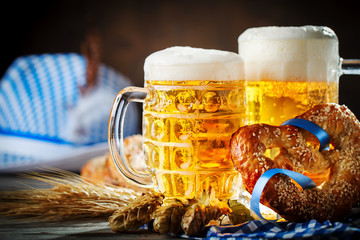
[
  {"x": 263, "y": 229},
  {"x": 45, "y": 118}
]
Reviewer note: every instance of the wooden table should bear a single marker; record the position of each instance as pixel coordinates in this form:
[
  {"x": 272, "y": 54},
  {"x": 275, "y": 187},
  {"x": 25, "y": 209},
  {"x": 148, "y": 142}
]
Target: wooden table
[
  {"x": 84, "y": 229},
  {"x": 92, "y": 229}
]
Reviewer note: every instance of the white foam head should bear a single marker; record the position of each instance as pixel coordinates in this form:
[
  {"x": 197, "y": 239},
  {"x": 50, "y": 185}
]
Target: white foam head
[
  {"x": 307, "y": 53},
  {"x": 187, "y": 63}
]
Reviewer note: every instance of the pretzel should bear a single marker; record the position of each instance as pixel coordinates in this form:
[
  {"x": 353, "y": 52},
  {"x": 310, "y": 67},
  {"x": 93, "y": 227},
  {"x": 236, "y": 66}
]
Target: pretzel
[
  {"x": 103, "y": 168},
  {"x": 338, "y": 187}
]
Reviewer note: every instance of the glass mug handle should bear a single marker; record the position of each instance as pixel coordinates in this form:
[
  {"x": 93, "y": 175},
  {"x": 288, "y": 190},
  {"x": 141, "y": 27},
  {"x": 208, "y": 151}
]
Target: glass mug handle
[
  {"x": 116, "y": 138},
  {"x": 350, "y": 66}
]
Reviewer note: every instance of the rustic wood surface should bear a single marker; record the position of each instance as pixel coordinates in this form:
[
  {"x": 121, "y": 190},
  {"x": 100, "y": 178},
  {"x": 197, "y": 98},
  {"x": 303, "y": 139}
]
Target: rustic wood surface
[
  {"x": 81, "y": 229},
  {"x": 88, "y": 229}
]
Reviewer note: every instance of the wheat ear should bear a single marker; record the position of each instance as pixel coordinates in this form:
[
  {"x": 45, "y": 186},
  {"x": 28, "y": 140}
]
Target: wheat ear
[{"x": 70, "y": 197}]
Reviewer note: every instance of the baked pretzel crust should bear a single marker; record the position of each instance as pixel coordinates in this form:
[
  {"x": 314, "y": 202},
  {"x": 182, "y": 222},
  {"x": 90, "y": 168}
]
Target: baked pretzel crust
[
  {"x": 103, "y": 168},
  {"x": 333, "y": 198}
]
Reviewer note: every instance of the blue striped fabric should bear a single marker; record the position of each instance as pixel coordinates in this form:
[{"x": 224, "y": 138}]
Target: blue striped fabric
[
  {"x": 34, "y": 95},
  {"x": 40, "y": 99},
  {"x": 12, "y": 159}
]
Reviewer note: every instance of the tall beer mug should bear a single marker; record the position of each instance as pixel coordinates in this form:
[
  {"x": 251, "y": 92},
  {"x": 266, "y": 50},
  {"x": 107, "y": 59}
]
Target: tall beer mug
[
  {"x": 290, "y": 69},
  {"x": 193, "y": 101}
]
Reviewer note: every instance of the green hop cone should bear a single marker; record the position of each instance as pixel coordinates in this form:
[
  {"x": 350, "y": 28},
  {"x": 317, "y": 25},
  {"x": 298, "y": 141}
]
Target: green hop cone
[{"x": 239, "y": 214}]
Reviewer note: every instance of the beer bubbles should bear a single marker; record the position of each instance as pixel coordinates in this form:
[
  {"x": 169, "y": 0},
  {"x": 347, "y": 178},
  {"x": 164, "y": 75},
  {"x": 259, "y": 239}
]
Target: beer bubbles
[
  {"x": 288, "y": 70},
  {"x": 196, "y": 89}
]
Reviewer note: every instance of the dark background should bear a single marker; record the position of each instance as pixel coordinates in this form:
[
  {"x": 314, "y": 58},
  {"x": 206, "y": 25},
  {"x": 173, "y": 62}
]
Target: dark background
[{"x": 131, "y": 30}]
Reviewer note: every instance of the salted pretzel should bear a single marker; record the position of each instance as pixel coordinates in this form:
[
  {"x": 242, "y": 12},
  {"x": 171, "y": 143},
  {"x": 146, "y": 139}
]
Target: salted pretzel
[
  {"x": 335, "y": 193},
  {"x": 103, "y": 168}
]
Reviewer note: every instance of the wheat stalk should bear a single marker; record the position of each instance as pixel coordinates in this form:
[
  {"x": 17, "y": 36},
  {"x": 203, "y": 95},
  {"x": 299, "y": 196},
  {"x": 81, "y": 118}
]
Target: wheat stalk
[{"x": 71, "y": 197}]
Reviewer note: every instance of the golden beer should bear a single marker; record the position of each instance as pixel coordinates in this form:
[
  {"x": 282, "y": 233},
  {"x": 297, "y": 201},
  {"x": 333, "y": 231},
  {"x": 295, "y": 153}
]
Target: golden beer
[
  {"x": 288, "y": 70},
  {"x": 187, "y": 130},
  {"x": 274, "y": 102}
]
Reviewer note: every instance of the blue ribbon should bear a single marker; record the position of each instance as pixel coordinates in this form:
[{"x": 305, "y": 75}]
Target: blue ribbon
[
  {"x": 312, "y": 127},
  {"x": 304, "y": 181}
]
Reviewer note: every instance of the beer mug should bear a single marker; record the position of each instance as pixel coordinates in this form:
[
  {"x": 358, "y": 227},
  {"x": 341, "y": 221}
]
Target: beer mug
[
  {"x": 290, "y": 69},
  {"x": 193, "y": 101}
]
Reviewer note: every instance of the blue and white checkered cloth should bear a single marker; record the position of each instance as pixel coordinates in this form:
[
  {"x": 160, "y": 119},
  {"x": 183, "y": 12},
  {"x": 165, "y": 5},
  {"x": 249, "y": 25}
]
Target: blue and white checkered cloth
[
  {"x": 44, "y": 117},
  {"x": 263, "y": 229}
]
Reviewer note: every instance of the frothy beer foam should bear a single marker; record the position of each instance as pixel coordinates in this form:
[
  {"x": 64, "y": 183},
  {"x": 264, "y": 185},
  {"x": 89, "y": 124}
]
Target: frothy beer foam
[
  {"x": 307, "y": 53},
  {"x": 187, "y": 63}
]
